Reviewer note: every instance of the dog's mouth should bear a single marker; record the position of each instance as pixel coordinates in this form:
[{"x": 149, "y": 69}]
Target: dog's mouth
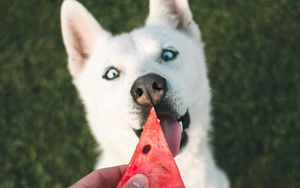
[{"x": 174, "y": 129}]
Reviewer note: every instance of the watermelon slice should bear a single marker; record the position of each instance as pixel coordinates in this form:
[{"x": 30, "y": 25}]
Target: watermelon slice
[{"x": 153, "y": 158}]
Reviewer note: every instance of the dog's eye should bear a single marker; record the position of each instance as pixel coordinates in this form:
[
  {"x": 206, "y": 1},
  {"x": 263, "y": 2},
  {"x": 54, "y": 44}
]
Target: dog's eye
[
  {"x": 111, "y": 73},
  {"x": 168, "y": 54}
]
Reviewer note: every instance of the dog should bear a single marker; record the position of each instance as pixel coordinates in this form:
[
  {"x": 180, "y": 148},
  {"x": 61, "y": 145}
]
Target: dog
[{"x": 119, "y": 78}]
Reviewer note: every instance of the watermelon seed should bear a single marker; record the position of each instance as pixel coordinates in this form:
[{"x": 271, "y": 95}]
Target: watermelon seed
[{"x": 146, "y": 149}]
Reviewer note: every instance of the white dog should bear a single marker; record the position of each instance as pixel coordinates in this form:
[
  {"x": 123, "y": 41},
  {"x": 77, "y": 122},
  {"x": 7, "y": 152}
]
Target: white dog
[{"x": 120, "y": 77}]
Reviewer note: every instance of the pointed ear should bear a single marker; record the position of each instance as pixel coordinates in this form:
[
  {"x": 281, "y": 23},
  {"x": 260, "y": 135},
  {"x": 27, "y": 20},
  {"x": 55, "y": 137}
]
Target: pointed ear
[
  {"x": 80, "y": 33},
  {"x": 174, "y": 13}
]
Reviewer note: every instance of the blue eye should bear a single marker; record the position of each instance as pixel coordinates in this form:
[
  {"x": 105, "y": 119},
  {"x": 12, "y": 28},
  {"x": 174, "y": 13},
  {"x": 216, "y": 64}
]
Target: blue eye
[
  {"x": 111, "y": 73},
  {"x": 168, "y": 54}
]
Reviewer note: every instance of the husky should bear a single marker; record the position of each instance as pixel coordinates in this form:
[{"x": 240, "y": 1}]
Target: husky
[{"x": 119, "y": 78}]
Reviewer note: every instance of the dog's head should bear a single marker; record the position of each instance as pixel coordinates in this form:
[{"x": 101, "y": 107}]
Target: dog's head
[{"x": 120, "y": 77}]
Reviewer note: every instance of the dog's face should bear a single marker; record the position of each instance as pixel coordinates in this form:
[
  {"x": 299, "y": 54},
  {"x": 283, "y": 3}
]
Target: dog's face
[{"x": 121, "y": 77}]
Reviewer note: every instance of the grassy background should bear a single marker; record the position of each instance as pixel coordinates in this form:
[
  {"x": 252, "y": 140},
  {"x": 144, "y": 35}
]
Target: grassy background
[{"x": 253, "y": 53}]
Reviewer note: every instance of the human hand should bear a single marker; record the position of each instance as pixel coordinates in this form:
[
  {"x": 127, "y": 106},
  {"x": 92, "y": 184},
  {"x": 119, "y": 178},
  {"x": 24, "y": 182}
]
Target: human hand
[{"x": 109, "y": 178}]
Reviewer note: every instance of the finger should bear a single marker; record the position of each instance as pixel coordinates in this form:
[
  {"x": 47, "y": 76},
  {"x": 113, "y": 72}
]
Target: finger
[
  {"x": 106, "y": 177},
  {"x": 137, "y": 181}
]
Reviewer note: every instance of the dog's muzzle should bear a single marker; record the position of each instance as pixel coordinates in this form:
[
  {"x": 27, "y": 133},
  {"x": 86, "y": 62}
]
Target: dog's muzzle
[{"x": 150, "y": 90}]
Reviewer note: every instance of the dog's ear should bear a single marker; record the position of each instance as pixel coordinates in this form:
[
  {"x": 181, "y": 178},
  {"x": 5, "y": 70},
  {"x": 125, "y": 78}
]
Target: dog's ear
[
  {"x": 80, "y": 33},
  {"x": 175, "y": 13}
]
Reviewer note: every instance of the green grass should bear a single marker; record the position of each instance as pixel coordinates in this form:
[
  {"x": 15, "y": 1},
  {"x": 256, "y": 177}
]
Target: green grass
[{"x": 253, "y": 53}]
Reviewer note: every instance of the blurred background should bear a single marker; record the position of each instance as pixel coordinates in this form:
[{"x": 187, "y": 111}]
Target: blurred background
[{"x": 253, "y": 54}]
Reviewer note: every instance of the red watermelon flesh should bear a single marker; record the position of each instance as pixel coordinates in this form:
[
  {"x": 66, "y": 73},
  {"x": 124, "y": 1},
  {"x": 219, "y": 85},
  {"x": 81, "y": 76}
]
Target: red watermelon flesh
[{"x": 153, "y": 158}]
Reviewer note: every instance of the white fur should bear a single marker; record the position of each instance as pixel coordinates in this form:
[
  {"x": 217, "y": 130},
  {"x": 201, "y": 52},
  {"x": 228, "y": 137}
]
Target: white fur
[{"x": 109, "y": 105}]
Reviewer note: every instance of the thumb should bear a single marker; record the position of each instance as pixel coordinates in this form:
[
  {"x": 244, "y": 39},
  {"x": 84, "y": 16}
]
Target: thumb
[{"x": 137, "y": 181}]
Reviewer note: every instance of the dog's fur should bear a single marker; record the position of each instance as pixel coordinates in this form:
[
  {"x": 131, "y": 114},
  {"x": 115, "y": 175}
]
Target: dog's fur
[{"x": 111, "y": 111}]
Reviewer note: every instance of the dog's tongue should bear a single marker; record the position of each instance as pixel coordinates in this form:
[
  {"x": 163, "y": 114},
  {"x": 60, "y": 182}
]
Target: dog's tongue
[{"x": 172, "y": 131}]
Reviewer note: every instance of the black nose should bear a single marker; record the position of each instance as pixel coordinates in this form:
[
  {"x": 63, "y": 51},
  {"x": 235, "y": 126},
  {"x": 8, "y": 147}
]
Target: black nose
[{"x": 149, "y": 89}]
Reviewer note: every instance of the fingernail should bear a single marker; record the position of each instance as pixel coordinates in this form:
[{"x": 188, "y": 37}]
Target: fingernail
[{"x": 139, "y": 181}]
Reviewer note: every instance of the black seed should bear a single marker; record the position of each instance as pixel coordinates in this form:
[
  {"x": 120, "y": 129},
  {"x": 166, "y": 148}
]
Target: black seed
[{"x": 146, "y": 149}]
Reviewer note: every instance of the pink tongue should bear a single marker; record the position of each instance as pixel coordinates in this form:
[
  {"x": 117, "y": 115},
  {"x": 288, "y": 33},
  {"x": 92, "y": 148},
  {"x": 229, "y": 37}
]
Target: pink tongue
[{"x": 172, "y": 131}]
